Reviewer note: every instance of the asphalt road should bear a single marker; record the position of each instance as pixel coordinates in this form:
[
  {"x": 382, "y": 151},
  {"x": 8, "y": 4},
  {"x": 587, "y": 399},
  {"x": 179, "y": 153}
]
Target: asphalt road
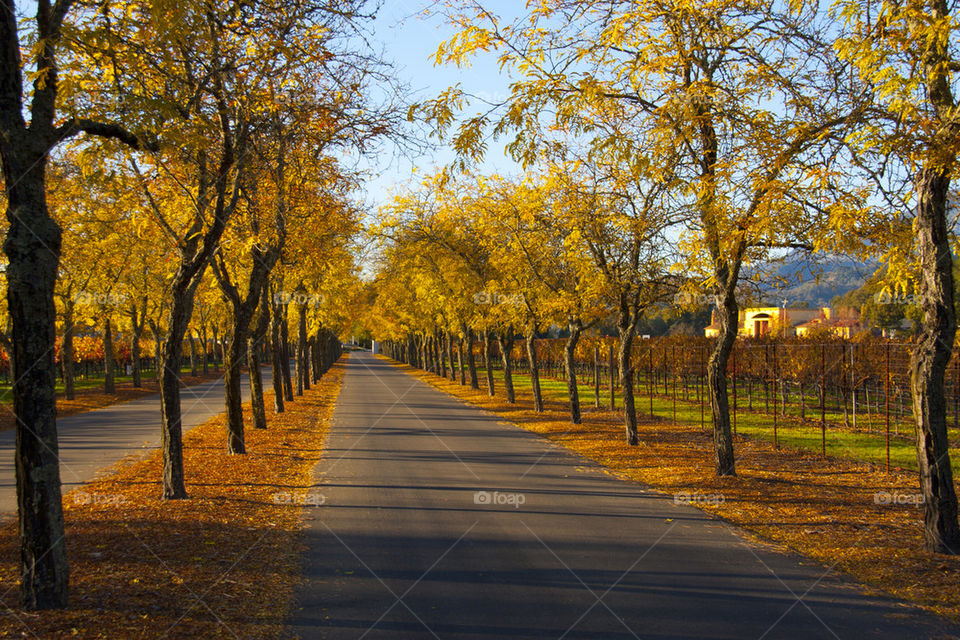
[
  {"x": 96, "y": 440},
  {"x": 438, "y": 521}
]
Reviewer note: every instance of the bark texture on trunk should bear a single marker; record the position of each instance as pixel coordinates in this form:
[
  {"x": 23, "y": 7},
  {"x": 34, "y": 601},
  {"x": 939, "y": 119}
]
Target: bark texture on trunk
[
  {"x": 728, "y": 316},
  {"x": 929, "y": 360},
  {"x": 171, "y": 440},
  {"x": 256, "y": 383},
  {"x": 234, "y": 357},
  {"x": 32, "y": 247}
]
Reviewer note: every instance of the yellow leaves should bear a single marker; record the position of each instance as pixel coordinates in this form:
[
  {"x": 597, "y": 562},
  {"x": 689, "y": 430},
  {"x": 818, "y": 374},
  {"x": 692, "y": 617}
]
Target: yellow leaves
[{"x": 470, "y": 40}]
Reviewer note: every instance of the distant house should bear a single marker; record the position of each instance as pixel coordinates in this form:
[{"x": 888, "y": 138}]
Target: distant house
[
  {"x": 755, "y": 322},
  {"x": 843, "y": 322}
]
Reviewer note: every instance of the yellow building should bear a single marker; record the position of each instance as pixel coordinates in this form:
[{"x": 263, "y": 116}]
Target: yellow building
[
  {"x": 844, "y": 323},
  {"x": 761, "y": 321}
]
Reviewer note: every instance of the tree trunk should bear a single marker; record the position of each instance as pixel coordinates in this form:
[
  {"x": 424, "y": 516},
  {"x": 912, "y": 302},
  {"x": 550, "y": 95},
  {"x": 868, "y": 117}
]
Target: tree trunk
[
  {"x": 172, "y": 432},
  {"x": 216, "y": 341},
  {"x": 569, "y": 350},
  {"x": 428, "y": 353},
  {"x": 627, "y": 330},
  {"x": 717, "y": 383},
  {"x": 236, "y": 349},
  {"x": 726, "y": 263},
  {"x": 928, "y": 363},
  {"x": 505, "y": 341},
  {"x": 285, "y": 350},
  {"x": 257, "y": 338},
  {"x": 472, "y": 362},
  {"x": 596, "y": 376},
  {"x": 66, "y": 351},
  {"x": 461, "y": 365},
  {"x": 448, "y": 343},
  {"x": 108, "y": 361},
  {"x": 301, "y": 364},
  {"x": 534, "y": 370},
  {"x": 441, "y": 353},
  {"x": 32, "y": 247},
  {"x": 488, "y": 361},
  {"x": 276, "y": 359}
]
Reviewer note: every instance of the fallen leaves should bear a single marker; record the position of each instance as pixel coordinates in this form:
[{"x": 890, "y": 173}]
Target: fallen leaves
[{"x": 223, "y": 563}]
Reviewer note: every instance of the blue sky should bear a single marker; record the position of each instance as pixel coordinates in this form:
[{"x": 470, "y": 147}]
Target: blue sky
[{"x": 409, "y": 39}]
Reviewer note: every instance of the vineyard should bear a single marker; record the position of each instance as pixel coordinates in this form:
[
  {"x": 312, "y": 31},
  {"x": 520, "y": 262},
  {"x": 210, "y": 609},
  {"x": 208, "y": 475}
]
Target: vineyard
[{"x": 849, "y": 398}]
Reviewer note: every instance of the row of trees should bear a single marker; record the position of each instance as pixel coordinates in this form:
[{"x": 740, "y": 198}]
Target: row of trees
[
  {"x": 173, "y": 166},
  {"x": 671, "y": 146}
]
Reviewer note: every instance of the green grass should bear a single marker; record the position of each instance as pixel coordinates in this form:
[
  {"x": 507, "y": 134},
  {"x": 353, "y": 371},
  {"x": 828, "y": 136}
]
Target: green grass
[{"x": 791, "y": 432}]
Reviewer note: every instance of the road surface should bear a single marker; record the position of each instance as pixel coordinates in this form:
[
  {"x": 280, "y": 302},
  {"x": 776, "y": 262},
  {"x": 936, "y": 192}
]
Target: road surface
[
  {"x": 439, "y": 521},
  {"x": 95, "y": 440}
]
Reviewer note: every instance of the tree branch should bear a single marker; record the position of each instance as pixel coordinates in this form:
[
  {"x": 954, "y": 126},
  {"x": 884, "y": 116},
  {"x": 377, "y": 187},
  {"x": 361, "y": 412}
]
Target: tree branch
[{"x": 110, "y": 130}]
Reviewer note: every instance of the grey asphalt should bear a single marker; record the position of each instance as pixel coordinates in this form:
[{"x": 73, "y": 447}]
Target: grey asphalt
[
  {"x": 94, "y": 441},
  {"x": 439, "y": 521}
]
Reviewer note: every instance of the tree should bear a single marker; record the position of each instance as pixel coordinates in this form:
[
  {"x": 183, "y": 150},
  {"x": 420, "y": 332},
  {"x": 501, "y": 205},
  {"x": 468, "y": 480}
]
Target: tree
[
  {"x": 622, "y": 218},
  {"x": 32, "y": 246},
  {"x": 905, "y": 54},
  {"x": 537, "y": 252},
  {"x": 746, "y": 92}
]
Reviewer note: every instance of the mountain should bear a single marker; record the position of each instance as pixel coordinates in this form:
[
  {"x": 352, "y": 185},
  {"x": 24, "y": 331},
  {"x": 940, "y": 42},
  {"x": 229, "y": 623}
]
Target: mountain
[{"x": 804, "y": 280}]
